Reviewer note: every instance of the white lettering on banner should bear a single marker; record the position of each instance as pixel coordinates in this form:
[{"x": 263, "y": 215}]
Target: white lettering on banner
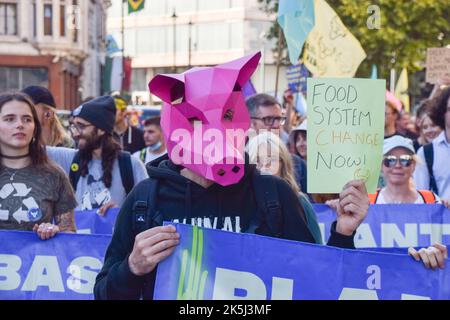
[
  {"x": 227, "y": 281},
  {"x": 391, "y": 234},
  {"x": 374, "y": 281},
  {"x": 364, "y": 237},
  {"x": 206, "y": 223},
  {"x": 9, "y": 276},
  {"x": 82, "y": 278},
  {"x": 435, "y": 230},
  {"x": 358, "y": 294},
  {"x": 414, "y": 297},
  {"x": 45, "y": 272},
  {"x": 282, "y": 288}
]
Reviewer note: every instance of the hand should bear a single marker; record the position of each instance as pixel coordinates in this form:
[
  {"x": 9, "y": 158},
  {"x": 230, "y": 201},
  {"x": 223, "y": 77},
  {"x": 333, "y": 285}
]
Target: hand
[
  {"x": 446, "y": 203},
  {"x": 102, "y": 210},
  {"x": 46, "y": 231},
  {"x": 352, "y": 207},
  {"x": 333, "y": 204},
  {"x": 151, "y": 247},
  {"x": 433, "y": 256}
]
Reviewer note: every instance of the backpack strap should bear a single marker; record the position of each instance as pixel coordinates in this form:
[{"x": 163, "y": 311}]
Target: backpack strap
[
  {"x": 429, "y": 159},
  {"x": 142, "y": 154},
  {"x": 374, "y": 196},
  {"x": 144, "y": 214},
  {"x": 266, "y": 194},
  {"x": 74, "y": 174},
  {"x": 126, "y": 171},
  {"x": 427, "y": 196}
]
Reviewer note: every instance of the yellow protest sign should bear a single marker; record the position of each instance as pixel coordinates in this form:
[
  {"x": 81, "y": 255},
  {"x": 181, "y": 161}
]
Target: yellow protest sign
[{"x": 331, "y": 50}]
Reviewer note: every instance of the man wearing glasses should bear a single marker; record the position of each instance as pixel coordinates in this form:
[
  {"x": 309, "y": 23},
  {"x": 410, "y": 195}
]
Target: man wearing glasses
[
  {"x": 101, "y": 174},
  {"x": 266, "y": 114}
]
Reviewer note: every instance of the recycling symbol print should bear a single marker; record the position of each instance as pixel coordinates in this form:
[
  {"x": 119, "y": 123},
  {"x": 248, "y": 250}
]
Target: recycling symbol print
[{"x": 23, "y": 208}]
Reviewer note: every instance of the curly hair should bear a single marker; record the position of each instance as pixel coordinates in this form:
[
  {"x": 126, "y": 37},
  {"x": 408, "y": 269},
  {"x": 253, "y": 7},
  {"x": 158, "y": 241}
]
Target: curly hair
[{"x": 437, "y": 114}]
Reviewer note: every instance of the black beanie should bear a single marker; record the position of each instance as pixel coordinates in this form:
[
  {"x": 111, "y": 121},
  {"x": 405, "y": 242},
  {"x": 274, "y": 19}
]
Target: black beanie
[{"x": 101, "y": 112}]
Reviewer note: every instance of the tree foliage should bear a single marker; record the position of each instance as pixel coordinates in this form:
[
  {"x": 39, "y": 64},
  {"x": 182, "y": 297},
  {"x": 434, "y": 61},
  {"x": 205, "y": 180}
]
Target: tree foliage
[{"x": 407, "y": 29}]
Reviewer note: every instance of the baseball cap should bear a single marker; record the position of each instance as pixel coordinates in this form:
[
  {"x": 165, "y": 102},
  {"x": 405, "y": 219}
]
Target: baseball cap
[
  {"x": 40, "y": 95},
  {"x": 397, "y": 142}
]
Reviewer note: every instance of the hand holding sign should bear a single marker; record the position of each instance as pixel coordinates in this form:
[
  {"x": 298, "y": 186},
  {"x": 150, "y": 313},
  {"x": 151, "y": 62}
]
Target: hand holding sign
[
  {"x": 352, "y": 207},
  {"x": 151, "y": 247}
]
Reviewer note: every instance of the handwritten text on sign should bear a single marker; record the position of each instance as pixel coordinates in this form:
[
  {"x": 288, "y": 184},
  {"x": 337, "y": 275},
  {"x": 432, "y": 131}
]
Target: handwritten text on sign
[{"x": 345, "y": 132}]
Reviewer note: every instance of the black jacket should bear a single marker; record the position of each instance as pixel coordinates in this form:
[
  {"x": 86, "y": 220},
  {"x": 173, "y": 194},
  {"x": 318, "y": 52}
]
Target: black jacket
[{"x": 181, "y": 200}]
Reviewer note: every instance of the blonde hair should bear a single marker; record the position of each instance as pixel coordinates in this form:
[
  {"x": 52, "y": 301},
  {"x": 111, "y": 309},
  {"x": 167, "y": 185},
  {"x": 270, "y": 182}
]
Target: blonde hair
[
  {"x": 268, "y": 141},
  {"x": 58, "y": 136}
]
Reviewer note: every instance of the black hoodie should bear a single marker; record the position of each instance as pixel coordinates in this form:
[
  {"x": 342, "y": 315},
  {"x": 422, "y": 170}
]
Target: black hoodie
[{"x": 181, "y": 200}]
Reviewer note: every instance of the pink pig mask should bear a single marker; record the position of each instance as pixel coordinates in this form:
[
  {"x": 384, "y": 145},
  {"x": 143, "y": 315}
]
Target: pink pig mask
[{"x": 204, "y": 118}]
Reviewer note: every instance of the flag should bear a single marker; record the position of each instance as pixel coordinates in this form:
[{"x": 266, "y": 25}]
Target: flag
[
  {"x": 248, "y": 89},
  {"x": 401, "y": 89},
  {"x": 126, "y": 83},
  {"x": 111, "y": 45},
  {"x": 330, "y": 49},
  {"x": 296, "y": 18},
  {"x": 374, "y": 74},
  {"x": 135, "y": 5},
  {"x": 112, "y": 74}
]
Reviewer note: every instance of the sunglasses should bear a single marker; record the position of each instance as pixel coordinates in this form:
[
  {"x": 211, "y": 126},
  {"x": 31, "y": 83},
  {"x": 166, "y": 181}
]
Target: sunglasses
[{"x": 391, "y": 161}]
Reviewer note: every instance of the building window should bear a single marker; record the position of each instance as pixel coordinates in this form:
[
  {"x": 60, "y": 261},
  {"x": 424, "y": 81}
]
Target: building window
[
  {"x": 15, "y": 79},
  {"x": 8, "y": 19},
  {"x": 48, "y": 19},
  {"x": 62, "y": 21}
]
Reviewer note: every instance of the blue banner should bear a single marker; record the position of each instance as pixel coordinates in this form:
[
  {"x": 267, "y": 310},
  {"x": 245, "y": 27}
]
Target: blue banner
[
  {"x": 390, "y": 225},
  {"x": 63, "y": 267},
  {"x": 214, "y": 264},
  {"x": 296, "y": 77},
  {"x": 89, "y": 222}
]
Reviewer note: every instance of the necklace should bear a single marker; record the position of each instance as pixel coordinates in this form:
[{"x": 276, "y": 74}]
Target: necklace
[
  {"x": 11, "y": 175},
  {"x": 14, "y": 157}
]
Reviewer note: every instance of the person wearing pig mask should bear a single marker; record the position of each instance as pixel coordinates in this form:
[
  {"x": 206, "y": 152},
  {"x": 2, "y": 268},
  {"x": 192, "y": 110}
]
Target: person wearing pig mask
[{"x": 206, "y": 179}]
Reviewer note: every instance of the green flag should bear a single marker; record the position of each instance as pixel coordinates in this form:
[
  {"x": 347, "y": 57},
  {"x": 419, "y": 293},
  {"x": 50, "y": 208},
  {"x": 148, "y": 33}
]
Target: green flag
[{"x": 135, "y": 5}]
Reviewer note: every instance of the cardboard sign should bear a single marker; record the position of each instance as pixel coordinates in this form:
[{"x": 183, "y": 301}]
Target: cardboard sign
[
  {"x": 345, "y": 132},
  {"x": 438, "y": 64}
]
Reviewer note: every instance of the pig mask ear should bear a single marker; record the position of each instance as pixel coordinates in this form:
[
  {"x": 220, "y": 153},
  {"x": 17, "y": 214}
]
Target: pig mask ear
[
  {"x": 168, "y": 87},
  {"x": 245, "y": 66}
]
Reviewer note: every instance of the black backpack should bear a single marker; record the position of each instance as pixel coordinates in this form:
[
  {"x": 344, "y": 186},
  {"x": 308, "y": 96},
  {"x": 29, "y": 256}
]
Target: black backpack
[
  {"x": 429, "y": 159},
  {"x": 125, "y": 168},
  {"x": 145, "y": 215}
]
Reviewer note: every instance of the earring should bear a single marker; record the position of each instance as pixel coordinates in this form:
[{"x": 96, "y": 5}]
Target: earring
[{"x": 33, "y": 140}]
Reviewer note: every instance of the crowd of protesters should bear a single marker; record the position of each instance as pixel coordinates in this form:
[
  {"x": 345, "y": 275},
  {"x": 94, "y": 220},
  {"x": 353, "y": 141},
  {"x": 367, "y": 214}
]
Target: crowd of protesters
[{"x": 98, "y": 161}]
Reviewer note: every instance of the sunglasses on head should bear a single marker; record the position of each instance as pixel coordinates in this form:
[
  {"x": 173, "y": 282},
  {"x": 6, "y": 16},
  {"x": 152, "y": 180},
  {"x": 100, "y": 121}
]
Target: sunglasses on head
[{"x": 405, "y": 160}]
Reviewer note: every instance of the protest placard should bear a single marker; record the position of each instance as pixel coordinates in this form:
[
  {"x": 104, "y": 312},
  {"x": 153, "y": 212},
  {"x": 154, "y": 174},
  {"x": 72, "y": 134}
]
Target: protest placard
[
  {"x": 438, "y": 64},
  {"x": 345, "y": 132}
]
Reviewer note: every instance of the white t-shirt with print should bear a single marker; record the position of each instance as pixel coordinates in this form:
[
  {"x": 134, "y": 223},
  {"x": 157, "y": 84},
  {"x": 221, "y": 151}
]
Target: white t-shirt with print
[{"x": 91, "y": 192}]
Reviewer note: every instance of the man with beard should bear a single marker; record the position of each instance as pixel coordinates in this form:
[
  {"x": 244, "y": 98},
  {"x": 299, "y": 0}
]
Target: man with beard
[{"x": 101, "y": 174}]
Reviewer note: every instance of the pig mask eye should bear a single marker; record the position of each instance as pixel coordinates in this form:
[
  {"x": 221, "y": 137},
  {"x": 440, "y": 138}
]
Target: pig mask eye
[{"x": 228, "y": 115}]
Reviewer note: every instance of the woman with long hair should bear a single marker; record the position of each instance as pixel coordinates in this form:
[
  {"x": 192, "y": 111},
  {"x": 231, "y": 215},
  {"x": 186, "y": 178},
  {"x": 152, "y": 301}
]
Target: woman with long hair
[
  {"x": 34, "y": 193},
  {"x": 271, "y": 156}
]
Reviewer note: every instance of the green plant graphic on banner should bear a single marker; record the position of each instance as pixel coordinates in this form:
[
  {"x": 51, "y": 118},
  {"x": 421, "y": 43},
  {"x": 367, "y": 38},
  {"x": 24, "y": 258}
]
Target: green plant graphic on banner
[{"x": 196, "y": 279}]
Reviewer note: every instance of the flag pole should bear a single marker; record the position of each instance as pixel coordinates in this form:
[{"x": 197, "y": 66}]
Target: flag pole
[
  {"x": 122, "y": 30},
  {"x": 278, "y": 60}
]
